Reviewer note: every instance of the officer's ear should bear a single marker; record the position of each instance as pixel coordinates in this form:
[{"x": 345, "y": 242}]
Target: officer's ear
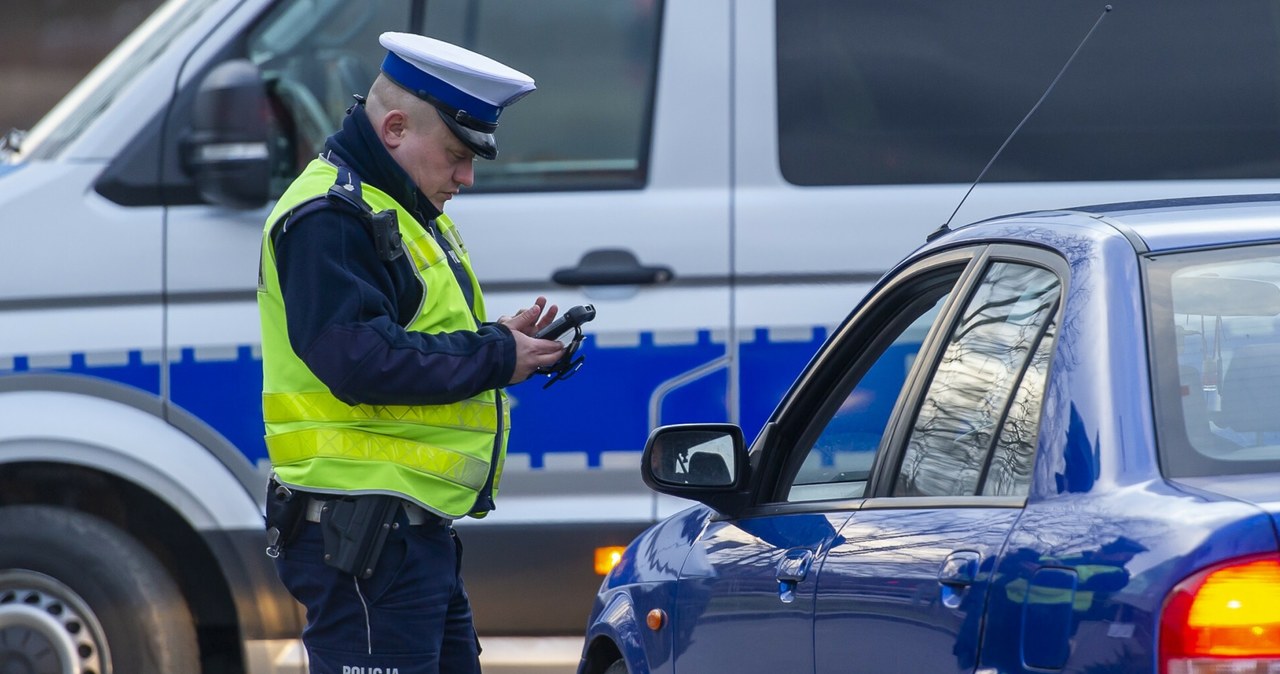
[{"x": 393, "y": 128}]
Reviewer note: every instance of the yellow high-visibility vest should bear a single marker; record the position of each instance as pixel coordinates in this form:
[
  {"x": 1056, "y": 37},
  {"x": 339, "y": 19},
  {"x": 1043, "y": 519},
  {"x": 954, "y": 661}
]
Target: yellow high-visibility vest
[{"x": 438, "y": 456}]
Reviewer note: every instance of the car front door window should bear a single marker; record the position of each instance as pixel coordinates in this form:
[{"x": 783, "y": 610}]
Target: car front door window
[{"x": 838, "y": 463}]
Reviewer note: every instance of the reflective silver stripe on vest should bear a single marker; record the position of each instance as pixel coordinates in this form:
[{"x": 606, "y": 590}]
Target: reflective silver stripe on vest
[
  {"x": 471, "y": 415},
  {"x": 355, "y": 445}
]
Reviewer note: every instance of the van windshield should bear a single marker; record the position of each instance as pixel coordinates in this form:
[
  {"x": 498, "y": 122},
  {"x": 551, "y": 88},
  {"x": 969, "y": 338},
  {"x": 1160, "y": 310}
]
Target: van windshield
[
  {"x": 1216, "y": 359},
  {"x": 64, "y": 123}
]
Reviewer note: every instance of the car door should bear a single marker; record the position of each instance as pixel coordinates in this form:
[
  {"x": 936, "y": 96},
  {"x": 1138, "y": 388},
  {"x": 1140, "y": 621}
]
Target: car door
[
  {"x": 747, "y": 591},
  {"x": 913, "y": 564}
]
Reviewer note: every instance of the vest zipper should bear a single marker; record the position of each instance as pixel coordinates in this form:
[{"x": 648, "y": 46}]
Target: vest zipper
[{"x": 486, "y": 492}]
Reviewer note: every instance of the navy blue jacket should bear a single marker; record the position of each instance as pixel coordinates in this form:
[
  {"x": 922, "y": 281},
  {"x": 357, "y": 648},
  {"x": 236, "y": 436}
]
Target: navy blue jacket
[{"x": 347, "y": 309}]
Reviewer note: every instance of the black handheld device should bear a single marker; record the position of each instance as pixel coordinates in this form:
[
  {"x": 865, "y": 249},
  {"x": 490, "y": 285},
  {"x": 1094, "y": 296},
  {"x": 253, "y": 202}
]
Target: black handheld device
[
  {"x": 569, "y": 320},
  {"x": 568, "y": 330}
]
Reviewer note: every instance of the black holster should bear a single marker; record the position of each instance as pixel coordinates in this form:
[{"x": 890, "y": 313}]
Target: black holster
[{"x": 355, "y": 530}]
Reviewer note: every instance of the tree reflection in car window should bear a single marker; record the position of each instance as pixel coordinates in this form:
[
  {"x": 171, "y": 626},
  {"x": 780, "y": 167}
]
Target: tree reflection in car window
[
  {"x": 1009, "y": 471},
  {"x": 981, "y": 368}
]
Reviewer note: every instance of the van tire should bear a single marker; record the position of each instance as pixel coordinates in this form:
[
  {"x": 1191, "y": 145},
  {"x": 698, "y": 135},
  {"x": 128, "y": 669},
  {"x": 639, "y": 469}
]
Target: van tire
[
  {"x": 73, "y": 587},
  {"x": 618, "y": 667}
]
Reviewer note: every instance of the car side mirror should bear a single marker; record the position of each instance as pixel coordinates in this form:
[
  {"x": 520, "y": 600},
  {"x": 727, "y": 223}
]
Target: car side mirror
[
  {"x": 703, "y": 462},
  {"x": 227, "y": 151}
]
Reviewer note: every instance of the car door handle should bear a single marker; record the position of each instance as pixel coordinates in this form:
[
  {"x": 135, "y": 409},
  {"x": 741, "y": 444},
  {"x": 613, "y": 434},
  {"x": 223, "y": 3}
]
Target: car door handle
[
  {"x": 959, "y": 569},
  {"x": 792, "y": 569},
  {"x": 611, "y": 267}
]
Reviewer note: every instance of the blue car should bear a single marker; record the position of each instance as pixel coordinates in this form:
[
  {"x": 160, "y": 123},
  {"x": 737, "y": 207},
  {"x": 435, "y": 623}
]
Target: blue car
[{"x": 1044, "y": 442}]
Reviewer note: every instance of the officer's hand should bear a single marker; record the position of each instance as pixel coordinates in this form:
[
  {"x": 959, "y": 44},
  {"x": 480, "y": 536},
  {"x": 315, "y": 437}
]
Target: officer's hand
[
  {"x": 530, "y": 321},
  {"x": 532, "y": 354}
]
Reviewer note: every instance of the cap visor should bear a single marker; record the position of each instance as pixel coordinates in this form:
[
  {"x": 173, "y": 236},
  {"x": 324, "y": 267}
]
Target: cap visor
[{"x": 483, "y": 144}]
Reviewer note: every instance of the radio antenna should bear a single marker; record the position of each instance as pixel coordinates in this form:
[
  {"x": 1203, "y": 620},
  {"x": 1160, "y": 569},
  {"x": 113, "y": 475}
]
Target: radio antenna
[{"x": 946, "y": 226}]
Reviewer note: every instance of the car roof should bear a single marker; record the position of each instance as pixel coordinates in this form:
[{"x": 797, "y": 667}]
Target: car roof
[{"x": 1193, "y": 222}]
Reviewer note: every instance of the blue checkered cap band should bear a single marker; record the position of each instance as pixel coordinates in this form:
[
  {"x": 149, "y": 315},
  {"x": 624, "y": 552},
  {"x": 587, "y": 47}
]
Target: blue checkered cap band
[{"x": 470, "y": 88}]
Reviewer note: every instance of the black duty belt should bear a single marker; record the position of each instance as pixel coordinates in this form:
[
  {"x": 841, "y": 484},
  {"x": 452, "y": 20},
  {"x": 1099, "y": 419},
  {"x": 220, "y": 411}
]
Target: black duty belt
[{"x": 416, "y": 515}]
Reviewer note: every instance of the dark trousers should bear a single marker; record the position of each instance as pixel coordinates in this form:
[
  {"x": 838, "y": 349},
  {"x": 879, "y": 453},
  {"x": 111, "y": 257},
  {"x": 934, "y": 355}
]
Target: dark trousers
[{"x": 412, "y": 616}]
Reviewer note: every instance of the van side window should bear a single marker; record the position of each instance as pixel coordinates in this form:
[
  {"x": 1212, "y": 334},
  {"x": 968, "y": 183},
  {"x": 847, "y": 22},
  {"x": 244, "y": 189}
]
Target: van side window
[
  {"x": 912, "y": 92},
  {"x": 587, "y": 126},
  {"x": 314, "y": 54}
]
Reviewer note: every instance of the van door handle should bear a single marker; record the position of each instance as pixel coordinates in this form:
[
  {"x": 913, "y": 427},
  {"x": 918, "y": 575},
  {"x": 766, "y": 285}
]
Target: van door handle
[{"x": 611, "y": 267}]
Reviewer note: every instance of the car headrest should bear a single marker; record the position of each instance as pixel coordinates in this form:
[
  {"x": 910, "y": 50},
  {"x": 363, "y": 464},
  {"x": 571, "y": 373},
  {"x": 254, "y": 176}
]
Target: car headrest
[{"x": 1250, "y": 389}]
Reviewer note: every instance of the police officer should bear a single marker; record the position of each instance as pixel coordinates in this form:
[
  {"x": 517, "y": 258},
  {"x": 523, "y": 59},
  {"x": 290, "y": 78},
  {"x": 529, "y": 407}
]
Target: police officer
[{"x": 382, "y": 380}]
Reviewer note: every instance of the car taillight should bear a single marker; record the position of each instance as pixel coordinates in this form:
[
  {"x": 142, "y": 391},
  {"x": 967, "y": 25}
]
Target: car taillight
[{"x": 1224, "y": 620}]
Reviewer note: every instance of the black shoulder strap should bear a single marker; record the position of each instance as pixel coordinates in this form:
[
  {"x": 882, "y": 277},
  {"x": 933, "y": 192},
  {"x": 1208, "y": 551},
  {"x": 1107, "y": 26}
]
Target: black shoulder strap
[
  {"x": 346, "y": 192},
  {"x": 346, "y": 187}
]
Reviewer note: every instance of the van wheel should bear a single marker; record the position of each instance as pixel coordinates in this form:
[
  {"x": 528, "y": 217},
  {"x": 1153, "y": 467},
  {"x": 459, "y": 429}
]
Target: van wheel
[
  {"x": 618, "y": 667},
  {"x": 79, "y": 595}
]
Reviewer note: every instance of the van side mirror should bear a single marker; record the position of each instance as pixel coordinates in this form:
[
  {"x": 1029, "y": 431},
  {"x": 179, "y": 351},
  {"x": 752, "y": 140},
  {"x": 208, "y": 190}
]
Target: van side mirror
[
  {"x": 227, "y": 150},
  {"x": 704, "y": 462}
]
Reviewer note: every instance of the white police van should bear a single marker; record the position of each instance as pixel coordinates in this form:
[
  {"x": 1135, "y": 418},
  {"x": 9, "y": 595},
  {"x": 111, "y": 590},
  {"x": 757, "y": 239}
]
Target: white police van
[{"x": 720, "y": 178}]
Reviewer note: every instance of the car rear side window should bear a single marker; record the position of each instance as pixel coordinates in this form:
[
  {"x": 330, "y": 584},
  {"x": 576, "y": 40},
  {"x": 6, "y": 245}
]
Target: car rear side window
[
  {"x": 976, "y": 428},
  {"x": 1216, "y": 360},
  {"x": 920, "y": 91},
  {"x": 1009, "y": 472}
]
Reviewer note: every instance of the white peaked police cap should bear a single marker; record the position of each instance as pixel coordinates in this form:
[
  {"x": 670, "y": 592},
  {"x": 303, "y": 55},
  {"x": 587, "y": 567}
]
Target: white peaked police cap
[{"x": 468, "y": 89}]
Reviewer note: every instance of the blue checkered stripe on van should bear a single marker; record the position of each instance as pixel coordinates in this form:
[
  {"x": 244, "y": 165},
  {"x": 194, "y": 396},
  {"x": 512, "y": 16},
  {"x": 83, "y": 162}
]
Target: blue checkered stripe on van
[{"x": 604, "y": 408}]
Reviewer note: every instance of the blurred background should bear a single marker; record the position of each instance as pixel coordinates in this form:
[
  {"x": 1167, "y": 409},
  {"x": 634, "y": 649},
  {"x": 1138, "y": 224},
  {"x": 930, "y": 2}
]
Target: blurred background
[{"x": 49, "y": 45}]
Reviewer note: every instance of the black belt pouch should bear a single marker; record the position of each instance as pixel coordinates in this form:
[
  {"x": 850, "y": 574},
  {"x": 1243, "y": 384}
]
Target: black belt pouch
[
  {"x": 286, "y": 510},
  {"x": 355, "y": 530}
]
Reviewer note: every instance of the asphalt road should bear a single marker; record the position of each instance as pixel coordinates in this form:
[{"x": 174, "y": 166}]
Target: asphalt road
[{"x": 522, "y": 655}]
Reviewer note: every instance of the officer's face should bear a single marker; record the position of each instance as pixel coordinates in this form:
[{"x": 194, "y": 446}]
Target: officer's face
[{"x": 437, "y": 162}]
